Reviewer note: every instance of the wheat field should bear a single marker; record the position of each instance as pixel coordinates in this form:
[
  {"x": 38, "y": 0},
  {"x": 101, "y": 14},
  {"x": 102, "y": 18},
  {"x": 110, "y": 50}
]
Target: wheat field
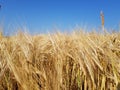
[{"x": 60, "y": 61}]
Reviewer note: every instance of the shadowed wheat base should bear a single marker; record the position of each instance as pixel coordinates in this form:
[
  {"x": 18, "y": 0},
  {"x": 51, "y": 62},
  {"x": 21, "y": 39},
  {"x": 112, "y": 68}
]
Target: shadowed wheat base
[{"x": 76, "y": 61}]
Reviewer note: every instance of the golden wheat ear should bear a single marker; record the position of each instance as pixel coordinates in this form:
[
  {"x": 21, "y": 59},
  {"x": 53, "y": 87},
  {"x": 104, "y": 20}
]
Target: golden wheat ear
[{"x": 102, "y": 20}]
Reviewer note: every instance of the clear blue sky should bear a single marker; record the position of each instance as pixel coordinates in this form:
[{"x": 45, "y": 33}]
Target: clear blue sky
[{"x": 44, "y": 15}]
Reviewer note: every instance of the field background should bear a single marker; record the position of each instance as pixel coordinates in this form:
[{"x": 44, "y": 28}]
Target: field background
[{"x": 60, "y": 61}]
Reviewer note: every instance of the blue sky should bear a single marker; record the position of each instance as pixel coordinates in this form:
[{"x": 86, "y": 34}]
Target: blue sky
[{"x": 46, "y": 15}]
